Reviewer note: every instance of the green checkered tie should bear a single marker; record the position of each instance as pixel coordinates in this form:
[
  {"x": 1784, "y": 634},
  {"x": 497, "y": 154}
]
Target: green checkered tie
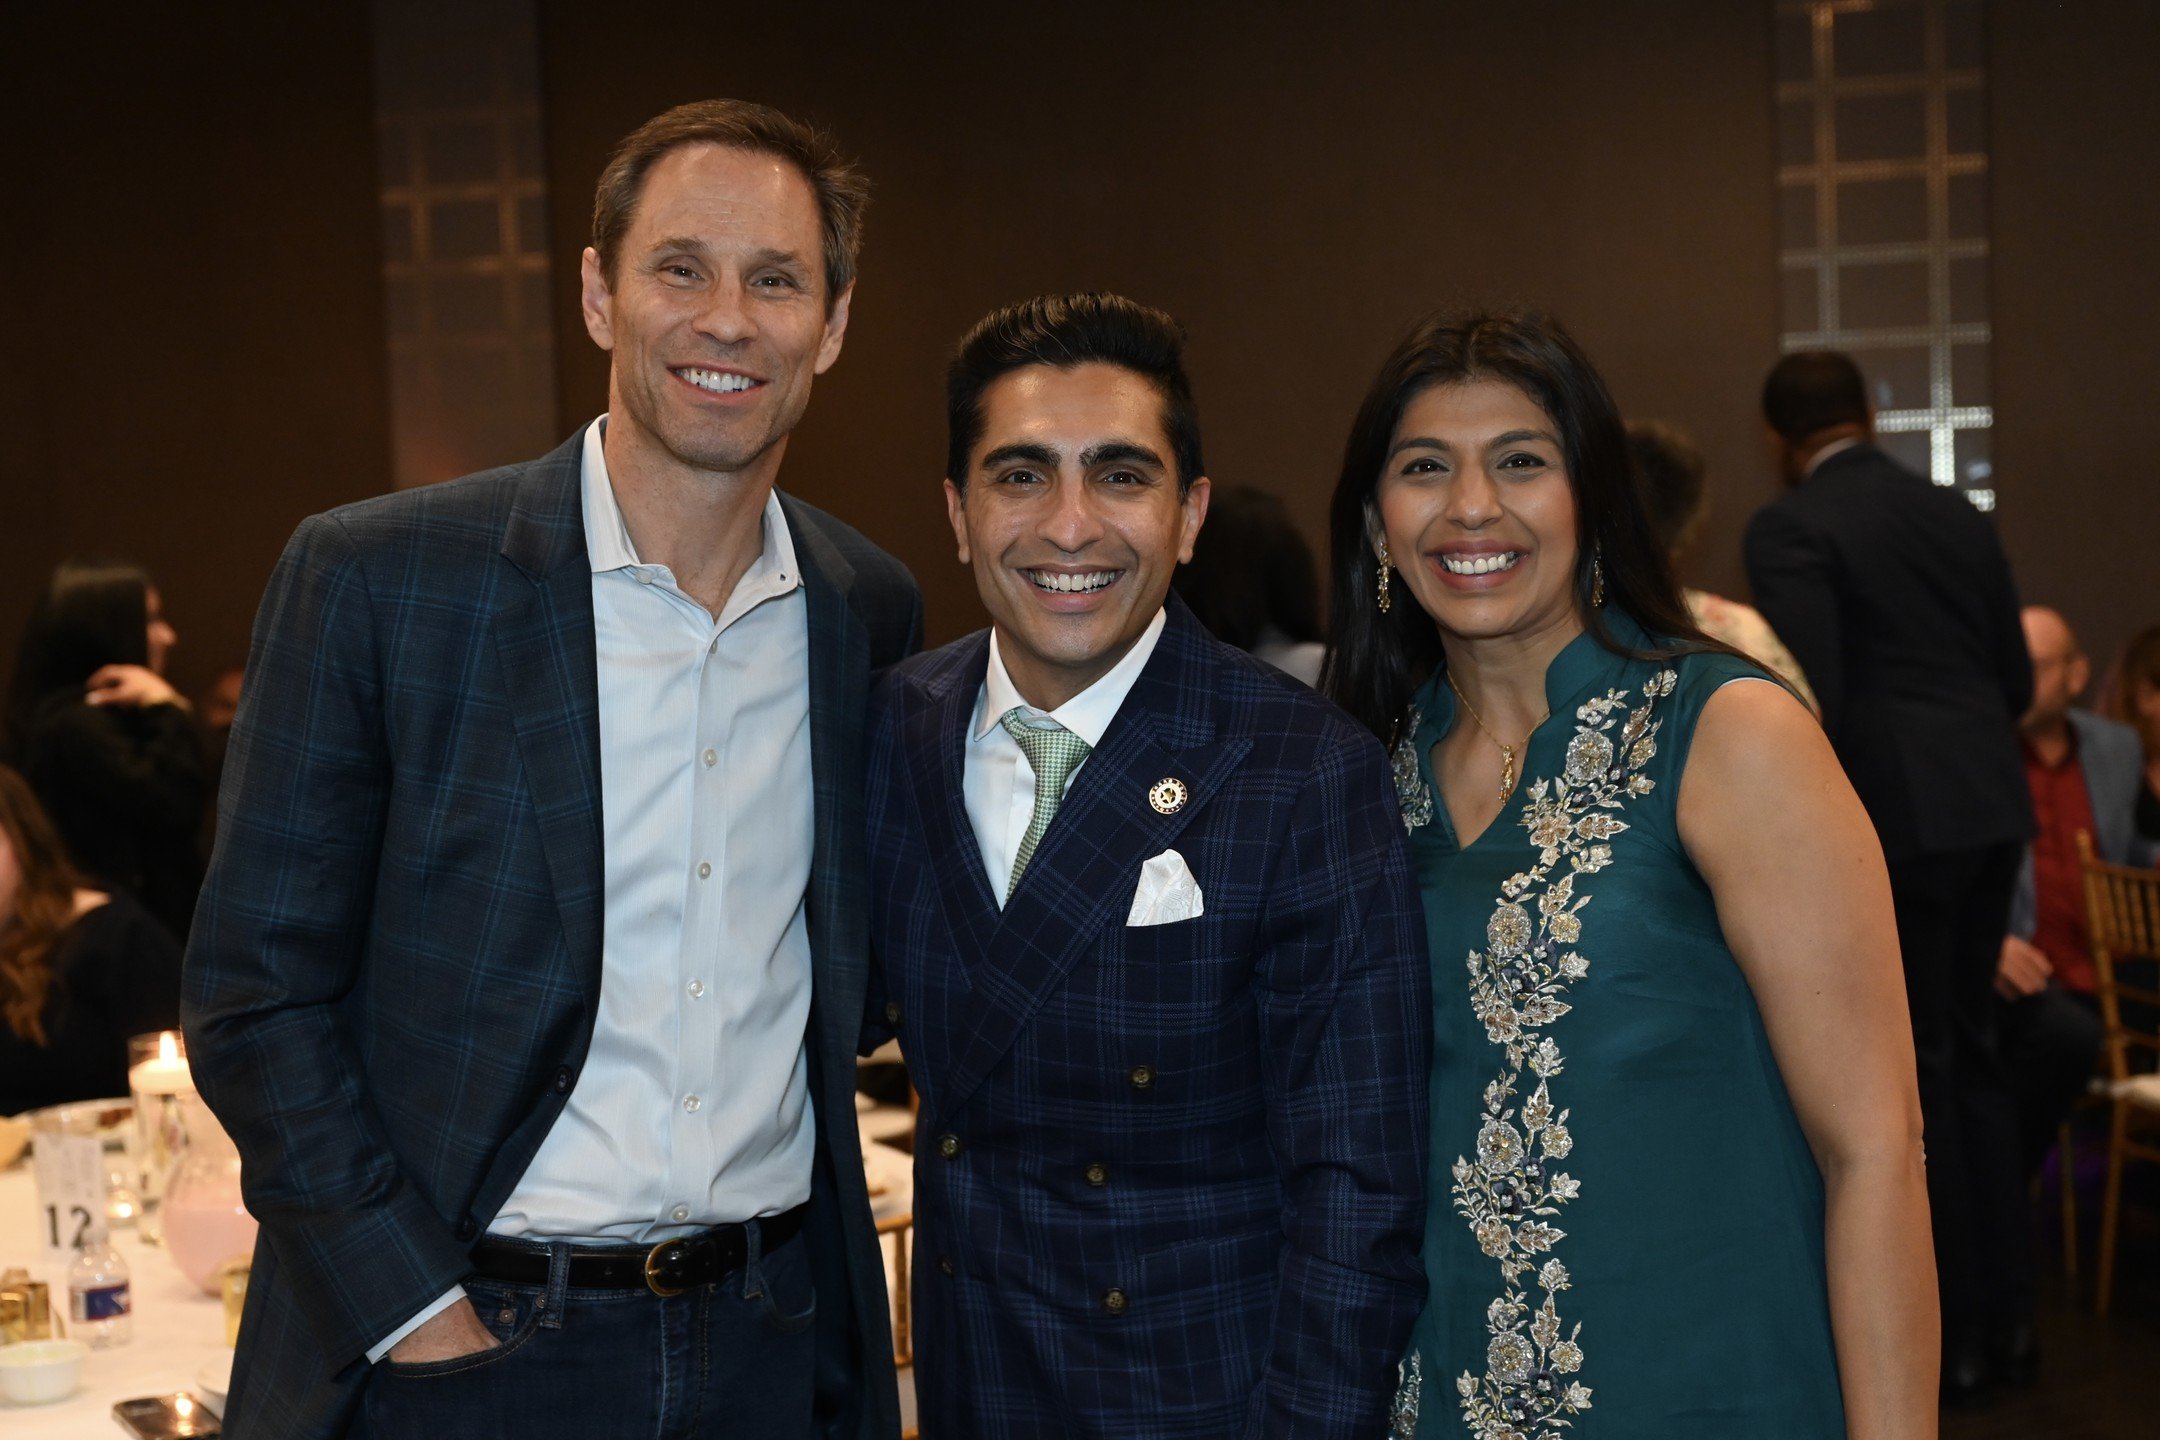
[{"x": 1055, "y": 753}]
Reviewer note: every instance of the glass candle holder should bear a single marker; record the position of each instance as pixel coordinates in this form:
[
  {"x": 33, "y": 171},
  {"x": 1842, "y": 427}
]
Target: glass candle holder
[{"x": 157, "y": 1077}]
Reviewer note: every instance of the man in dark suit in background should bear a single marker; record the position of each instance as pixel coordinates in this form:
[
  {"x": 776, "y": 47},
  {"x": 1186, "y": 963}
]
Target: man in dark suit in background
[
  {"x": 1896, "y": 598},
  {"x": 532, "y": 963},
  {"x": 1150, "y": 945}
]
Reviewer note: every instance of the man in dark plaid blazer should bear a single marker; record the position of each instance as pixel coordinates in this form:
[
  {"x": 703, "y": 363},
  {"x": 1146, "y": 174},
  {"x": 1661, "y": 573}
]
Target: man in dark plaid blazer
[
  {"x": 447, "y": 1001},
  {"x": 1171, "y": 1037}
]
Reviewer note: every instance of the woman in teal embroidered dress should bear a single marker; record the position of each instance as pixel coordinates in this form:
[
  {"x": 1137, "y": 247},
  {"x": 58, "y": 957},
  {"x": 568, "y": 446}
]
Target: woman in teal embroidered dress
[{"x": 1677, "y": 1185}]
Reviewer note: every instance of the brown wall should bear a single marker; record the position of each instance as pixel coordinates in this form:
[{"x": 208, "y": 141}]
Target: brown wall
[
  {"x": 2075, "y": 129},
  {"x": 1296, "y": 185},
  {"x": 191, "y": 353},
  {"x": 193, "y": 321}
]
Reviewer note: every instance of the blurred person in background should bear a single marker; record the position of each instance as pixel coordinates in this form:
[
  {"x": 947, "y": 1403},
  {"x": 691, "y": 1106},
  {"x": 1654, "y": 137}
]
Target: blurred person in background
[
  {"x": 1251, "y": 581},
  {"x": 1669, "y": 470},
  {"x": 1897, "y": 598},
  {"x": 107, "y": 744},
  {"x": 81, "y": 969},
  {"x": 2133, "y": 698}
]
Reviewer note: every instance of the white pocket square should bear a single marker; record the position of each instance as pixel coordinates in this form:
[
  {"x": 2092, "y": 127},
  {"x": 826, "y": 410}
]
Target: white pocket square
[{"x": 1167, "y": 892}]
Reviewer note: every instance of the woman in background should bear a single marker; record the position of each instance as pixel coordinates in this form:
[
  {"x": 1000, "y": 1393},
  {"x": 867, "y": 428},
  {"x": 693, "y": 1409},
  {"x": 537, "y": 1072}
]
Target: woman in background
[
  {"x": 1670, "y": 470},
  {"x": 110, "y": 747},
  {"x": 80, "y": 969},
  {"x": 1677, "y": 1167},
  {"x": 1252, "y": 583}
]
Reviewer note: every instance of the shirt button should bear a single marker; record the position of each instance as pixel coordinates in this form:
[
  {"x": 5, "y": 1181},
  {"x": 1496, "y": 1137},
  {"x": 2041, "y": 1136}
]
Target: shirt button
[
  {"x": 690, "y": 1103},
  {"x": 1097, "y": 1175},
  {"x": 679, "y": 1214},
  {"x": 892, "y": 1012},
  {"x": 696, "y": 989},
  {"x": 948, "y": 1145},
  {"x": 644, "y": 577},
  {"x": 711, "y": 758},
  {"x": 563, "y": 1076},
  {"x": 704, "y": 870},
  {"x": 1141, "y": 1076},
  {"x": 1114, "y": 1301}
]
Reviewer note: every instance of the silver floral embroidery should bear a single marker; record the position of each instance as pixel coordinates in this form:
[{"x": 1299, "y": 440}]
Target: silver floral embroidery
[
  {"x": 1411, "y": 791},
  {"x": 1512, "y": 1191},
  {"x": 1402, "y": 1419}
]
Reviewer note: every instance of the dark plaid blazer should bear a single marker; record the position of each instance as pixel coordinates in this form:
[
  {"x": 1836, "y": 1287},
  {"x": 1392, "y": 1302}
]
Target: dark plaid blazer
[
  {"x": 394, "y": 972},
  {"x": 1170, "y": 1180}
]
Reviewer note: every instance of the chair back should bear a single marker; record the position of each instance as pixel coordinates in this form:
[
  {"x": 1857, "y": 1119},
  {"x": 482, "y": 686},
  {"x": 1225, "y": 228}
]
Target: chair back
[{"x": 2122, "y": 916}]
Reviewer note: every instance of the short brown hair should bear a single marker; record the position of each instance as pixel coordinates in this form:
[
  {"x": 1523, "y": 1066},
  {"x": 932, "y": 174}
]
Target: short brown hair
[{"x": 840, "y": 188}]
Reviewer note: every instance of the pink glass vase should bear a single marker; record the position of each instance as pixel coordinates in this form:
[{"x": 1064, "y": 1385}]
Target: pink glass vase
[{"x": 206, "y": 1223}]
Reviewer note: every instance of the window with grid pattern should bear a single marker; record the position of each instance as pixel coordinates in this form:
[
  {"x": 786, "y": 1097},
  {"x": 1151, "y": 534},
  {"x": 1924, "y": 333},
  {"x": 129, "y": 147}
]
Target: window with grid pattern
[{"x": 1882, "y": 188}]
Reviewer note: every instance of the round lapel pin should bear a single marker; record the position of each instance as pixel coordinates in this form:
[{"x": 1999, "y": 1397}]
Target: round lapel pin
[{"x": 1167, "y": 795}]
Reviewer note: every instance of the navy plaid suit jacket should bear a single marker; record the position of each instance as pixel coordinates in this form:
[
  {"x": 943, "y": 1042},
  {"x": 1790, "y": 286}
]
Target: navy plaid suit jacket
[
  {"x": 1170, "y": 1180},
  {"x": 395, "y": 969}
]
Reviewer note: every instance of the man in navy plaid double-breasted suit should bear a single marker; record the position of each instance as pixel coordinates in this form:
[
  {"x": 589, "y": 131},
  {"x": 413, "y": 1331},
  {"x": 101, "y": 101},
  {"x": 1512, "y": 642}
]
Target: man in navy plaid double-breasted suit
[
  {"x": 533, "y": 960},
  {"x": 1149, "y": 943}
]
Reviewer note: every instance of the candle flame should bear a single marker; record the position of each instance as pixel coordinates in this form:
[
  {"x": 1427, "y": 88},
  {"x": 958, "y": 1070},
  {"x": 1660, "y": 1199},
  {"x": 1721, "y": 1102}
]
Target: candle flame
[{"x": 168, "y": 1046}]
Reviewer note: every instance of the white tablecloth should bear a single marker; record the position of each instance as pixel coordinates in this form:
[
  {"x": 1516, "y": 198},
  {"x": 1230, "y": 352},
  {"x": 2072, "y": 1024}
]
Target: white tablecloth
[{"x": 177, "y": 1329}]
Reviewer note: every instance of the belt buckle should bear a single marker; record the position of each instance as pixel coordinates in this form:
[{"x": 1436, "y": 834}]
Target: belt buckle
[{"x": 656, "y": 1261}]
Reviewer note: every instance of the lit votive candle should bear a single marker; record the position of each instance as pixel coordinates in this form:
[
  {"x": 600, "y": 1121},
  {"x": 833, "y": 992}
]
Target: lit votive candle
[{"x": 166, "y": 1072}]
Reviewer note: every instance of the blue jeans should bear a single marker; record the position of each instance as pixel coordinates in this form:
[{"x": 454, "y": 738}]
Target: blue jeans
[{"x": 732, "y": 1359}]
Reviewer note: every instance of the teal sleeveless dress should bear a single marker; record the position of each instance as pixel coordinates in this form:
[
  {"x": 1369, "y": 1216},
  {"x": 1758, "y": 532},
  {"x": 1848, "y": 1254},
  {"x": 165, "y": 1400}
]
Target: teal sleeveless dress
[{"x": 1625, "y": 1238}]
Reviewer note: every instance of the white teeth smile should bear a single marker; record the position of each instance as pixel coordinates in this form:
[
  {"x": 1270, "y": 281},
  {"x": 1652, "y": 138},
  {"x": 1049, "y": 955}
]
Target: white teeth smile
[
  {"x": 1480, "y": 564},
  {"x": 1069, "y": 584},
  {"x": 720, "y": 382}
]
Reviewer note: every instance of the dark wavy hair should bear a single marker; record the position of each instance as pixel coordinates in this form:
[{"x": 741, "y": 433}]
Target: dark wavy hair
[
  {"x": 1063, "y": 331},
  {"x": 1376, "y": 662},
  {"x": 44, "y": 908},
  {"x": 1251, "y": 569},
  {"x": 93, "y": 613}
]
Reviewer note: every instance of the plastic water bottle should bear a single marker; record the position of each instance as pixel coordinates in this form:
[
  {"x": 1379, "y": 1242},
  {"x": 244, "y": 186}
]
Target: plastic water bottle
[{"x": 98, "y": 1301}]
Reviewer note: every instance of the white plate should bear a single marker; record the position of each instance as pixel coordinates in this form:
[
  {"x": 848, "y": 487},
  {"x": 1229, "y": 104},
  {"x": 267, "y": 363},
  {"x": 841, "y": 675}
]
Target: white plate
[{"x": 213, "y": 1380}]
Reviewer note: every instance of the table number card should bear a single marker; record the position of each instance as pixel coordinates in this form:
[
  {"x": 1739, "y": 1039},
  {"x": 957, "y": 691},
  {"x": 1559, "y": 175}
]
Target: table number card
[{"x": 70, "y": 1195}]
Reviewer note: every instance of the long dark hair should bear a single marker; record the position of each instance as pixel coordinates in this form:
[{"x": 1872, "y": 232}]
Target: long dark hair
[
  {"x": 93, "y": 613},
  {"x": 1377, "y": 661},
  {"x": 44, "y": 908}
]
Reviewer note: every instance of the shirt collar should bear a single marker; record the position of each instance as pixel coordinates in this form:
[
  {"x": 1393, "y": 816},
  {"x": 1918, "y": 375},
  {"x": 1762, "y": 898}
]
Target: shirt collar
[
  {"x": 607, "y": 536},
  {"x": 1835, "y": 447},
  {"x": 1088, "y": 714}
]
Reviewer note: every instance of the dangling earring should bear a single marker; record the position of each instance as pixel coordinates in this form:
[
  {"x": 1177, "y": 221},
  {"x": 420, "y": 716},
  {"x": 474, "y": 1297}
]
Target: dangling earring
[
  {"x": 1387, "y": 602},
  {"x": 1597, "y": 581}
]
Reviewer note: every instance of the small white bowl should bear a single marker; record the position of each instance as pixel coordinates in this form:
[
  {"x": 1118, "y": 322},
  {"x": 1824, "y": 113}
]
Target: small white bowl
[{"x": 37, "y": 1372}]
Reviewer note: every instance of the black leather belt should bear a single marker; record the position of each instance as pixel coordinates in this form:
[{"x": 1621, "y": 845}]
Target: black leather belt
[{"x": 668, "y": 1268}]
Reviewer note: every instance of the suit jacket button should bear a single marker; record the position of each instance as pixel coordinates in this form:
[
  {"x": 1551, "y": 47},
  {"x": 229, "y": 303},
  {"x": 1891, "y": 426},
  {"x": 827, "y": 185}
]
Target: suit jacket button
[
  {"x": 948, "y": 1145},
  {"x": 1097, "y": 1175},
  {"x": 892, "y": 1012},
  {"x": 1141, "y": 1076},
  {"x": 466, "y": 1229},
  {"x": 945, "y": 1265},
  {"x": 564, "y": 1075},
  {"x": 1114, "y": 1302}
]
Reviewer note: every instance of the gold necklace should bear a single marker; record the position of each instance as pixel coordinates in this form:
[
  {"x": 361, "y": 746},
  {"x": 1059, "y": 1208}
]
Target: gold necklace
[{"x": 1508, "y": 773}]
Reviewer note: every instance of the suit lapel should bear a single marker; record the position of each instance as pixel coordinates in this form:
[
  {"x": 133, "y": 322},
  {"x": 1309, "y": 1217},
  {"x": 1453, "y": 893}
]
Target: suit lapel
[
  {"x": 1080, "y": 882},
  {"x": 937, "y": 731},
  {"x": 544, "y": 639},
  {"x": 839, "y": 696}
]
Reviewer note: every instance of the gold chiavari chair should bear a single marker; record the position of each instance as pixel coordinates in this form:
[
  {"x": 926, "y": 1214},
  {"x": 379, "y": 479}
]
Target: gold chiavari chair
[{"x": 2122, "y": 912}]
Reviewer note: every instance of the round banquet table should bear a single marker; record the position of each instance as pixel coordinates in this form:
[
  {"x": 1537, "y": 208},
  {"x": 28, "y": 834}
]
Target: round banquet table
[{"x": 177, "y": 1329}]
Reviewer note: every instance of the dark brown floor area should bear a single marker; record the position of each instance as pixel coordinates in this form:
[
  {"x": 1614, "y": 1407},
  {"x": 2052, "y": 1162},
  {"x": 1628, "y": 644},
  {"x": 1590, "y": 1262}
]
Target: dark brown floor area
[{"x": 2097, "y": 1376}]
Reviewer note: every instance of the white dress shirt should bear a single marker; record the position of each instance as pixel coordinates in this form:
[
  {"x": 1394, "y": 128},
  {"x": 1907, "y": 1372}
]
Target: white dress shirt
[
  {"x": 996, "y": 779},
  {"x": 1835, "y": 447},
  {"x": 692, "y": 1108}
]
